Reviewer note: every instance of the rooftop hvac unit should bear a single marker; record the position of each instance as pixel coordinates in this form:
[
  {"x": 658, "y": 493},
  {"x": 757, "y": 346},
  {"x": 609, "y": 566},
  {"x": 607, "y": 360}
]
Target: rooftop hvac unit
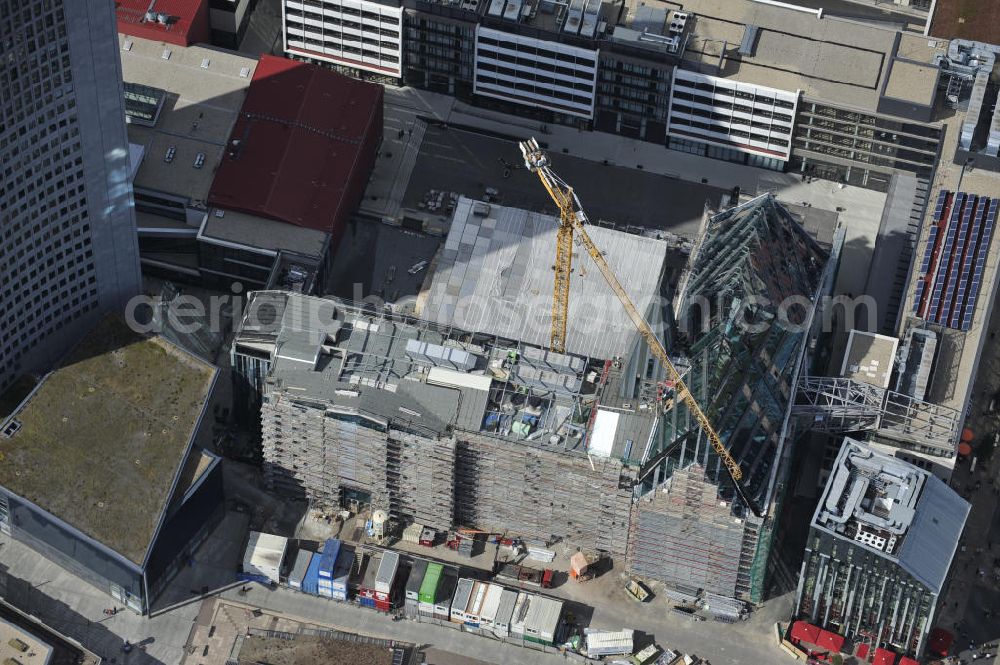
[
  {"x": 672, "y": 43},
  {"x": 678, "y": 21}
]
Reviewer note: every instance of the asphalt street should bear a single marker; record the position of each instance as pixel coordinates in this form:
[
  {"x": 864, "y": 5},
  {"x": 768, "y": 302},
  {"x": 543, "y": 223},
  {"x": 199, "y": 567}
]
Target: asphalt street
[{"x": 467, "y": 162}]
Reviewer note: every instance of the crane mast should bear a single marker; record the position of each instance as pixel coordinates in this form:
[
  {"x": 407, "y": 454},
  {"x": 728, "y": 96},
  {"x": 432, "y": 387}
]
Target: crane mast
[{"x": 572, "y": 219}]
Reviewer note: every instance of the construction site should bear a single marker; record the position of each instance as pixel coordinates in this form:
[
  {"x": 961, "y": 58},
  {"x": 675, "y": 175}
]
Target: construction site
[
  {"x": 548, "y": 411},
  {"x": 441, "y": 427}
]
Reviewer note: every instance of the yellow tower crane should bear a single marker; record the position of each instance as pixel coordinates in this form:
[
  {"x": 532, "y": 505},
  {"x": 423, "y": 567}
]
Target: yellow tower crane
[{"x": 572, "y": 219}]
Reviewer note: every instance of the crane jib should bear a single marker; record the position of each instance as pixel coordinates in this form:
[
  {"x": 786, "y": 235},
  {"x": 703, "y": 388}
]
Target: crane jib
[{"x": 572, "y": 218}]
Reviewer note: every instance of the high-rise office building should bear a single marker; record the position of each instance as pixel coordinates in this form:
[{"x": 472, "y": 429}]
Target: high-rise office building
[
  {"x": 879, "y": 550},
  {"x": 68, "y": 248}
]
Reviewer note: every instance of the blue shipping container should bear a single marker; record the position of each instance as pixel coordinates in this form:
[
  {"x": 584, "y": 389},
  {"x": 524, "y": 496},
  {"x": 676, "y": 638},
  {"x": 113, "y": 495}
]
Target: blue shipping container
[
  {"x": 342, "y": 574},
  {"x": 366, "y": 602},
  {"x": 310, "y": 583},
  {"x": 328, "y": 559}
]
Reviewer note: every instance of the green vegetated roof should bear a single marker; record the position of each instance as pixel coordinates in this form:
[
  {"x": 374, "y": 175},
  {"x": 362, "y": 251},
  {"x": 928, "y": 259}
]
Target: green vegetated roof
[{"x": 104, "y": 435}]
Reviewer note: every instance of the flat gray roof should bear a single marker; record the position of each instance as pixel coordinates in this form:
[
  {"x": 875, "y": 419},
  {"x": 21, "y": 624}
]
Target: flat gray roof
[
  {"x": 148, "y": 221},
  {"x": 830, "y": 58},
  {"x": 869, "y": 358},
  {"x": 406, "y": 371},
  {"x": 893, "y": 508},
  {"x": 199, "y": 111},
  {"x": 103, "y": 437},
  {"x": 935, "y": 531},
  {"x": 263, "y": 233},
  {"x": 494, "y": 275},
  {"x": 912, "y": 82}
]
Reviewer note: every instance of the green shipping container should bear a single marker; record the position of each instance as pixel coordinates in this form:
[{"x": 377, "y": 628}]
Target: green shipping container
[
  {"x": 428, "y": 590},
  {"x": 537, "y": 640}
]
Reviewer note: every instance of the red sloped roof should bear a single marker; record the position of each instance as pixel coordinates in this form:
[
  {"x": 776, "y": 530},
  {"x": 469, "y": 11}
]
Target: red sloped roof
[
  {"x": 300, "y": 133},
  {"x": 883, "y": 657},
  {"x": 830, "y": 641},
  {"x": 187, "y": 21},
  {"x": 805, "y": 632}
]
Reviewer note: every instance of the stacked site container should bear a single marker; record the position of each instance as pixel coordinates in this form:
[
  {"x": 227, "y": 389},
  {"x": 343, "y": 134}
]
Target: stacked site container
[
  {"x": 385, "y": 580},
  {"x": 310, "y": 583},
  {"x": 505, "y": 610},
  {"x": 299, "y": 569},
  {"x": 521, "y": 607},
  {"x": 491, "y": 603},
  {"x": 342, "y": 574},
  {"x": 366, "y": 593},
  {"x": 542, "y": 620},
  {"x": 264, "y": 556},
  {"x": 327, "y": 563},
  {"x": 357, "y": 576},
  {"x": 461, "y": 599},
  {"x": 445, "y": 592},
  {"x": 475, "y": 606},
  {"x": 414, "y": 582},
  {"x": 427, "y": 593}
]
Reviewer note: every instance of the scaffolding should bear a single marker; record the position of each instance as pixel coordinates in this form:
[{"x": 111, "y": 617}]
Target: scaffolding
[
  {"x": 543, "y": 493},
  {"x": 685, "y": 536},
  {"x": 840, "y": 405},
  {"x": 320, "y": 454}
]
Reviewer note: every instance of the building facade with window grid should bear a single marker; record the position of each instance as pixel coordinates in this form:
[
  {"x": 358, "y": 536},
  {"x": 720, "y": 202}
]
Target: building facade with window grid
[
  {"x": 439, "y": 48},
  {"x": 528, "y": 70},
  {"x": 633, "y": 94},
  {"x": 453, "y": 47},
  {"x": 355, "y": 35},
  {"x": 860, "y": 148},
  {"x": 68, "y": 248},
  {"x": 741, "y": 118}
]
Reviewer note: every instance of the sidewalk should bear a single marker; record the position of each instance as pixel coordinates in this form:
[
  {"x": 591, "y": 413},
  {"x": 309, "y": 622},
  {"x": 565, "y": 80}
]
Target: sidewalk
[{"x": 350, "y": 618}]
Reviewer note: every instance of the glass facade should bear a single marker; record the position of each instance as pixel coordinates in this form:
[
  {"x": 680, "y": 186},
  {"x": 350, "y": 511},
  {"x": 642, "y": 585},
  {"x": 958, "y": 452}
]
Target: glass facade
[
  {"x": 744, "y": 313},
  {"x": 75, "y": 552},
  {"x": 143, "y": 103},
  {"x": 632, "y": 97},
  {"x": 439, "y": 54},
  {"x": 859, "y": 148}
]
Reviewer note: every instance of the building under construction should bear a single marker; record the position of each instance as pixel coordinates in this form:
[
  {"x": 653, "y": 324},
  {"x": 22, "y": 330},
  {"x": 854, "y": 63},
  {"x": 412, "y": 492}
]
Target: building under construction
[
  {"x": 745, "y": 309},
  {"x": 440, "y": 426},
  {"x": 880, "y": 546}
]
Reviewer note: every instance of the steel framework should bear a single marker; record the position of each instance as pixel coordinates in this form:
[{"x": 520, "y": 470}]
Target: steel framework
[{"x": 833, "y": 404}]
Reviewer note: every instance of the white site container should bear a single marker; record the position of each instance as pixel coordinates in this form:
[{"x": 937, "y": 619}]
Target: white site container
[{"x": 264, "y": 555}]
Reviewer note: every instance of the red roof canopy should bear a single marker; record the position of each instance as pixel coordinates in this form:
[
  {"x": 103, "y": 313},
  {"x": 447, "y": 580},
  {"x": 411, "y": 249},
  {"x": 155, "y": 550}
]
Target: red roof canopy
[
  {"x": 302, "y": 147},
  {"x": 862, "y": 652},
  {"x": 186, "y": 20},
  {"x": 805, "y": 632},
  {"x": 830, "y": 641},
  {"x": 883, "y": 657}
]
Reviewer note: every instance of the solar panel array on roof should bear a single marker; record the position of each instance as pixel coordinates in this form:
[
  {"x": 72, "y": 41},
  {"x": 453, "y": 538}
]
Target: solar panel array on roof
[{"x": 951, "y": 271}]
